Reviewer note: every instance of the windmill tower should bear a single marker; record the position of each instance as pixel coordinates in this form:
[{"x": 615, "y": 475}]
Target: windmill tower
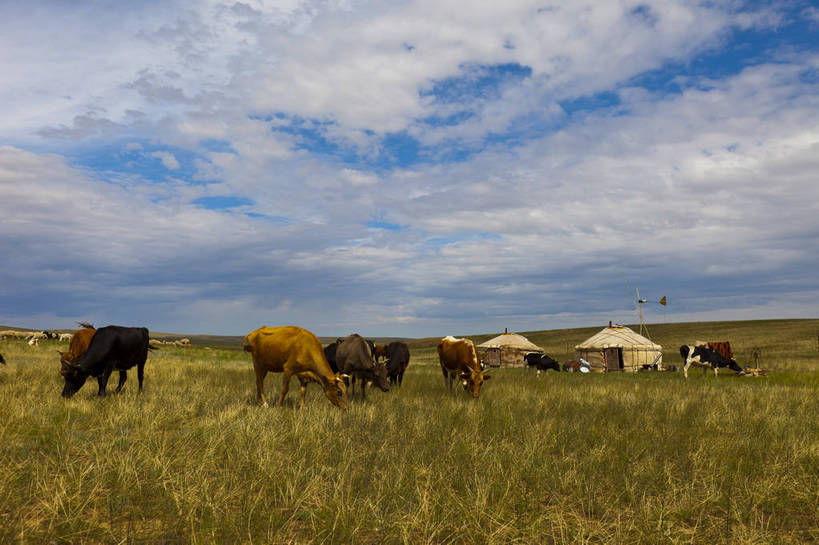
[{"x": 639, "y": 308}]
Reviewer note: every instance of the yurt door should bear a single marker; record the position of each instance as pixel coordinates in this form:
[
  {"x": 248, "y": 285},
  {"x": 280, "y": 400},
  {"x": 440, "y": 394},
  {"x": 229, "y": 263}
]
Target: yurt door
[
  {"x": 493, "y": 357},
  {"x": 614, "y": 358}
]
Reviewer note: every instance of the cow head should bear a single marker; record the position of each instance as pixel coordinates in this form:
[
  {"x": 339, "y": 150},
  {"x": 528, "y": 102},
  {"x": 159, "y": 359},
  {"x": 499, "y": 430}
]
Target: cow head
[
  {"x": 381, "y": 380},
  {"x": 75, "y": 376},
  {"x": 473, "y": 381},
  {"x": 380, "y": 352},
  {"x": 336, "y": 391},
  {"x": 734, "y": 366},
  {"x": 66, "y": 358}
]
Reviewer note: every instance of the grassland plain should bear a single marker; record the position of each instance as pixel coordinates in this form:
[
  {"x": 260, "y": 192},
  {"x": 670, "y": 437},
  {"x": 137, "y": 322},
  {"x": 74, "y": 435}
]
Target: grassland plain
[{"x": 564, "y": 458}]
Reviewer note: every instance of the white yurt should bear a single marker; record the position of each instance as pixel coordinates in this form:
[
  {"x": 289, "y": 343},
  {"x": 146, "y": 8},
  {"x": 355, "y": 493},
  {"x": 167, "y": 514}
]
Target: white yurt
[
  {"x": 506, "y": 350},
  {"x": 618, "y": 348}
]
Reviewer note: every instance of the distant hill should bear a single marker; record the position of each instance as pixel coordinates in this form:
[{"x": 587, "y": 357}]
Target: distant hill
[{"x": 796, "y": 340}]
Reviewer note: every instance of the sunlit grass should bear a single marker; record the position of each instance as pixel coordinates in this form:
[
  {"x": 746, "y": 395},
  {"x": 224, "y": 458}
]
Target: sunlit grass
[{"x": 564, "y": 458}]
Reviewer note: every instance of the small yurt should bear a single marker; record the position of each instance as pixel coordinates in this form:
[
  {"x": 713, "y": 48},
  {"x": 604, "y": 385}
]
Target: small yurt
[
  {"x": 506, "y": 350},
  {"x": 618, "y": 348}
]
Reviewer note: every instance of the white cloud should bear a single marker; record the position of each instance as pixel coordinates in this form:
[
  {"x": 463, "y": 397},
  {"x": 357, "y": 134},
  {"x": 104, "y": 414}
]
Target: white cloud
[
  {"x": 709, "y": 193},
  {"x": 167, "y": 158}
]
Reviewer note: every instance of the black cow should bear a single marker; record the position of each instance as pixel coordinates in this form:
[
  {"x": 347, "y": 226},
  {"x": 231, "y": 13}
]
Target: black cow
[
  {"x": 541, "y": 362},
  {"x": 49, "y": 335},
  {"x": 701, "y": 356},
  {"x": 112, "y": 347},
  {"x": 330, "y": 354},
  {"x": 354, "y": 357},
  {"x": 398, "y": 357}
]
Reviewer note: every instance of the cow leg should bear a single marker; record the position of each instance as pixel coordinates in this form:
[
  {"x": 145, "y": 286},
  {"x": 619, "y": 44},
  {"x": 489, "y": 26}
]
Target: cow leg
[
  {"x": 303, "y": 387},
  {"x": 400, "y": 378},
  {"x": 363, "y": 388},
  {"x": 285, "y": 387},
  {"x": 140, "y": 374},
  {"x": 123, "y": 376},
  {"x": 686, "y": 365},
  {"x": 103, "y": 381},
  {"x": 260, "y": 374},
  {"x": 716, "y": 371}
]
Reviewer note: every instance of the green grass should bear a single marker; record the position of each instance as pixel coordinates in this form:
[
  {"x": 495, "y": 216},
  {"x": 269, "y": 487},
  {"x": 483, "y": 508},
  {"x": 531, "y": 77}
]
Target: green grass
[{"x": 564, "y": 458}]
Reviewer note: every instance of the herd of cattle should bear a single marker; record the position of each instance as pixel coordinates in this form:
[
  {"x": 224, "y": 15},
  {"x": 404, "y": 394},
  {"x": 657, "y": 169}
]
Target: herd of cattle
[{"x": 292, "y": 350}]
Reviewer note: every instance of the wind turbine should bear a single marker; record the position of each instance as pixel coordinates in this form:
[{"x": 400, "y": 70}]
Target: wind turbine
[{"x": 640, "y": 302}]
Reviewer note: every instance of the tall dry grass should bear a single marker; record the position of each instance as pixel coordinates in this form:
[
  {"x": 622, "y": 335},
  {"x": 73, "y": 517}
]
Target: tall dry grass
[{"x": 564, "y": 458}]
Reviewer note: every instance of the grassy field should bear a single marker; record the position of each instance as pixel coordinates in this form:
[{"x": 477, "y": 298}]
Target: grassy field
[{"x": 564, "y": 458}]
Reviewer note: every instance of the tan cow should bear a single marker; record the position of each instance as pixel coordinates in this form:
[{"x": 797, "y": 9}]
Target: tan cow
[
  {"x": 459, "y": 357},
  {"x": 292, "y": 351},
  {"x": 78, "y": 345}
]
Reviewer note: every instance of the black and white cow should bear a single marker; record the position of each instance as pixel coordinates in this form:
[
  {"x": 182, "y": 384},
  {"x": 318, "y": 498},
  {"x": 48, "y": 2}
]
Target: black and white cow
[
  {"x": 541, "y": 362},
  {"x": 701, "y": 356}
]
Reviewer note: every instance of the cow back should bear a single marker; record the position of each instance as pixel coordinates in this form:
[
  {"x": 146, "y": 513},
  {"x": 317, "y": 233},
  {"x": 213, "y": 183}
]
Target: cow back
[
  {"x": 274, "y": 347},
  {"x": 458, "y": 354},
  {"x": 79, "y": 343},
  {"x": 354, "y": 354}
]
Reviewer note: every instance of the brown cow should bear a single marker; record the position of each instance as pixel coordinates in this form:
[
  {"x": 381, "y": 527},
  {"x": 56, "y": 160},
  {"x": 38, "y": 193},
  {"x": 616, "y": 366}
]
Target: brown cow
[
  {"x": 78, "y": 345},
  {"x": 458, "y": 356},
  {"x": 293, "y": 351}
]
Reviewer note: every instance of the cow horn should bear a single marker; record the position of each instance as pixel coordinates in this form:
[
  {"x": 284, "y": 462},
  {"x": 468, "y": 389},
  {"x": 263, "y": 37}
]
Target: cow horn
[{"x": 344, "y": 376}]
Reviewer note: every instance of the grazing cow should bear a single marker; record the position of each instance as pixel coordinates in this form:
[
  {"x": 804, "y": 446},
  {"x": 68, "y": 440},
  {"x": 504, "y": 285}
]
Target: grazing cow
[
  {"x": 292, "y": 351},
  {"x": 541, "y": 362},
  {"x": 459, "y": 357},
  {"x": 79, "y": 344},
  {"x": 354, "y": 357},
  {"x": 49, "y": 335},
  {"x": 112, "y": 347},
  {"x": 701, "y": 356},
  {"x": 397, "y": 355},
  {"x": 65, "y": 337},
  {"x": 34, "y": 341}
]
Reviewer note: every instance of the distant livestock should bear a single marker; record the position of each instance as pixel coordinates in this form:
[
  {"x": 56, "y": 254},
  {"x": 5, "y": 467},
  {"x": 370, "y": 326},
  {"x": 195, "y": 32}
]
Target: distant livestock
[
  {"x": 79, "y": 344},
  {"x": 701, "y": 356},
  {"x": 34, "y": 341},
  {"x": 354, "y": 357},
  {"x": 541, "y": 362},
  {"x": 458, "y": 357},
  {"x": 292, "y": 351},
  {"x": 65, "y": 337},
  {"x": 397, "y": 355},
  {"x": 112, "y": 347}
]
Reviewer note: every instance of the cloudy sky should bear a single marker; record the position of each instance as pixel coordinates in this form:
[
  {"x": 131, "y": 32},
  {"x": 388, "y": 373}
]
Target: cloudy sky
[{"x": 407, "y": 167}]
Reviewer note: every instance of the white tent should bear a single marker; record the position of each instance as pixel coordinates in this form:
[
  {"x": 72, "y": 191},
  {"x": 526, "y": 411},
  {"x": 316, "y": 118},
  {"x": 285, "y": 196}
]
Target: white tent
[
  {"x": 618, "y": 348},
  {"x": 506, "y": 350}
]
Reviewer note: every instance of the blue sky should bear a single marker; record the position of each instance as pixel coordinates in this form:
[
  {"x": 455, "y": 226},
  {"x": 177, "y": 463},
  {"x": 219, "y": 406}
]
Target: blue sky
[{"x": 407, "y": 168}]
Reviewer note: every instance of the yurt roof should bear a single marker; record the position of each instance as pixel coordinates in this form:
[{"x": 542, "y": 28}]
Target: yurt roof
[
  {"x": 617, "y": 337},
  {"x": 510, "y": 340}
]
